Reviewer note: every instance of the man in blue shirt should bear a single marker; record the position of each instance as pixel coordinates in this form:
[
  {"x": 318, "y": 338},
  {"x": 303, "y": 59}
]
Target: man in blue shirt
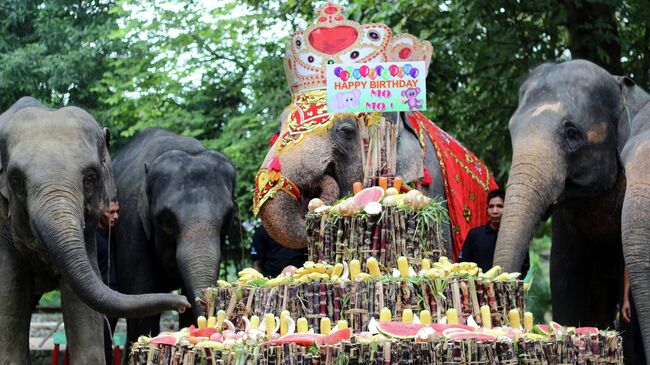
[{"x": 482, "y": 240}]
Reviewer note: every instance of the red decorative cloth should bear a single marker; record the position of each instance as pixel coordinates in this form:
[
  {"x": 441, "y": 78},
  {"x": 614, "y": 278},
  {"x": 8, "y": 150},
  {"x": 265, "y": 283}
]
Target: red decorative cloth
[{"x": 466, "y": 178}]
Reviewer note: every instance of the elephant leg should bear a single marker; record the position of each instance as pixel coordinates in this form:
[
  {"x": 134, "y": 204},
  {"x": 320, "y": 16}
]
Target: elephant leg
[
  {"x": 583, "y": 279},
  {"x": 16, "y": 296},
  {"x": 84, "y": 329}
]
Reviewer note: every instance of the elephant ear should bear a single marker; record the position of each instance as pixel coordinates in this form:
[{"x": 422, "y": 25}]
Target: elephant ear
[
  {"x": 3, "y": 181},
  {"x": 143, "y": 207},
  {"x": 630, "y": 95},
  {"x": 408, "y": 144}
]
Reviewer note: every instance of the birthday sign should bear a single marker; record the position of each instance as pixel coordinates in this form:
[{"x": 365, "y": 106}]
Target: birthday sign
[{"x": 376, "y": 87}]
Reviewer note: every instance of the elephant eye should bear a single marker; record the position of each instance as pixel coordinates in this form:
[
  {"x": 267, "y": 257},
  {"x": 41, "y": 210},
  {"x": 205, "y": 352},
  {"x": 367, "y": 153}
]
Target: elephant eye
[
  {"x": 90, "y": 180},
  {"x": 346, "y": 130},
  {"x": 573, "y": 136}
]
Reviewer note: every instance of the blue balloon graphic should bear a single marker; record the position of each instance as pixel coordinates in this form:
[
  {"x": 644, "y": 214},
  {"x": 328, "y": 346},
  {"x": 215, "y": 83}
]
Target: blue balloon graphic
[
  {"x": 407, "y": 68},
  {"x": 356, "y": 73},
  {"x": 337, "y": 71}
]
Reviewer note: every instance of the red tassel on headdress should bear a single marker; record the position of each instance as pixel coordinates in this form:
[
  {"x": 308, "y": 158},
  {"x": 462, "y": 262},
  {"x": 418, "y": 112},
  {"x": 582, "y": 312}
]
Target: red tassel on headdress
[
  {"x": 273, "y": 138},
  {"x": 426, "y": 180},
  {"x": 275, "y": 165}
]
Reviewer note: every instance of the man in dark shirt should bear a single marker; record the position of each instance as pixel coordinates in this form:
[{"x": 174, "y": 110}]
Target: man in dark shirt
[
  {"x": 271, "y": 258},
  {"x": 107, "y": 267},
  {"x": 482, "y": 240}
]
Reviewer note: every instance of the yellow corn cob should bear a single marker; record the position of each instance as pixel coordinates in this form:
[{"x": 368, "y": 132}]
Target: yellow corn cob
[
  {"x": 493, "y": 272},
  {"x": 373, "y": 267},
  {"x": 486, "y": 317},
  {"x": 325, "y": 326},
  {"x": 302, "y": 326},
  {"x": 337, "y": 270},
  {"x": 362, "y": 276},
  {"x": 255, "y": 322},
  {"x": 342, "y": 324},
  {"x": 528, "y": 321},
  {"x": 514, "y": 319},
  {"x": 403, "y": 267},
  {"x": 212, "y": 322},
  {"x": 201, "y": 321},
  {"x": 284, "y": 324},
  {"x": 355, "y": 269},
  {"x": 269, "y": 319},
  {"x": 407, "y": 316},
  {"x": 385, "y": 315},
  {"x": 425, "y": 317},
  {"x": 452, "y": 316},
  {"x": 221, "y": 315},
  {"x": 425, "y": 264}
]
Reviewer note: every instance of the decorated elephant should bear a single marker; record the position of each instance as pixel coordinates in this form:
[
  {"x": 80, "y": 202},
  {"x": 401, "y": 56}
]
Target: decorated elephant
[
  {"x": 322, "y": 157},
  {"x": 177, "y": 204},
  {"x": 580, "y": 153},
  {"x": 55, "y": 169},
  {"x": 320, "y": 153}
]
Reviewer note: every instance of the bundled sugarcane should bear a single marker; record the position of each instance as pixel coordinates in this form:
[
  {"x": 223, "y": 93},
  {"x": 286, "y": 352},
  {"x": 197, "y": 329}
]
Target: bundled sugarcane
[
  {"x": 374, "y": 223},
  {"x": 347, "y": 291},
  {"x": 392, "y": 343}
]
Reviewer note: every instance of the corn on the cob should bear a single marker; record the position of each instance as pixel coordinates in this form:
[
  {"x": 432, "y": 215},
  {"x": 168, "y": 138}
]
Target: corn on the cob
[
  {"x": 486, "y": 317},
  {"x": 403, "y": 267},
  {"x": 201, "y": 321},
  {"x": 212, "y": 322},
  {"x": 452, "y": 316},
  {"x": 355, "y": 269},
  {"x": 325, "y": 326},
  {"x": 514, "y": 319},
  {"x": 373, "y": 267},
  {"x": 425, "y": 317},
  {"x": 269, "y": 320},
  {"x": 425, "y": 264},
  {"x": 385, "y": 315},
  {"x": 342, "y": 324},
  {"x": 255, "y": 322},
  {"x": 528, "y": 321},
  {"x": 407, "y": 316},
  {"x": 284, "y": 325},
  {"x": 302, "y": 325}
]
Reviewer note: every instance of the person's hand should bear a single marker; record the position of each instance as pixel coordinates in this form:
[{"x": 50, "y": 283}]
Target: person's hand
[
  {"x": 289, "y": 270},
  {"x": 626, "y": 311}
]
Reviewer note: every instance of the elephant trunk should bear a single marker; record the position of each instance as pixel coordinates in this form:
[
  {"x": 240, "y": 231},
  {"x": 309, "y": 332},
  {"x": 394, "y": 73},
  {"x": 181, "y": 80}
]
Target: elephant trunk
[
  {"x": 534, "y": 184},
  {"x": 283, "y": 216},
  {"x": 57, "y": 221},
  {"x": 198, "y": 256},
  {"x": 636, "y": 235}
]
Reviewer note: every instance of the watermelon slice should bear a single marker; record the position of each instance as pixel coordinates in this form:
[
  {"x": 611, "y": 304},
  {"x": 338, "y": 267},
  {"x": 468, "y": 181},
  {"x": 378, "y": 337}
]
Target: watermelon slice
[
  {"x": 468, "y": 335},
  {"x": 452, "y": 331},
  {"x": 441, "y": 327},
  {"x": 303, "y": 339},
  {"x": 541, "y": 329},
  {"x": 555, "y": 327},
  {"x": 368, "y": 195},
  {"x": 336, "y": 337},
  {"x": 203, "y": 332},
  {"x": 587, "y": 330},
  {"x": 164, "y": 340},
  {"x": 399, "y": 329}
]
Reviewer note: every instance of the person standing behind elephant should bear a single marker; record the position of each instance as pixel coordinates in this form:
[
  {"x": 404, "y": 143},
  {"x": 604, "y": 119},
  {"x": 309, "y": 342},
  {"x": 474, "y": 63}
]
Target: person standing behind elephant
[
  {"x": 481, "y": 241},
  {"x": 270, "y": 258},
  {"x": 107, "y": 268},
  {"x": 632, "y": 340}
]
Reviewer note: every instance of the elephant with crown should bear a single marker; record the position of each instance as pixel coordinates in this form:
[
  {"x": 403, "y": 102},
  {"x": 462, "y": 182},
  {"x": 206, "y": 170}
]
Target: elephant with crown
[{"x": 319, "y": 154}]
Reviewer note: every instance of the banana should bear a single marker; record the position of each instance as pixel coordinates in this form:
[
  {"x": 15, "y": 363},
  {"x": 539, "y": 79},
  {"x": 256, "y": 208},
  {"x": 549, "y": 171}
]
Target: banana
[
  {"x": 223, "y": 284},
  {"x": 493, "y": 272},
  {"x": 249, "y": 270}
]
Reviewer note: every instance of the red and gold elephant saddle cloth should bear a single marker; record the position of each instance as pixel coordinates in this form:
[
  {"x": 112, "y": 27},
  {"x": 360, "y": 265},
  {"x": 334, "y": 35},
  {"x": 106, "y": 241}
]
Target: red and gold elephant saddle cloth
[{"x": 466, "y": 179}]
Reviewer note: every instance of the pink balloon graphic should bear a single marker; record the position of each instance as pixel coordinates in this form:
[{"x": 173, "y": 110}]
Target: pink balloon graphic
[
  {"x": 364, "y": 70},
  {"x": 393, "y": 69},
  {"x": 344, "y": 75}
]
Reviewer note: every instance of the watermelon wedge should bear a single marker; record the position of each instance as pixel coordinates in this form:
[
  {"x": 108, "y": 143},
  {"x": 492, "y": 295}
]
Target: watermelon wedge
[
  {"x": 440, "y": 327},
  {"x": 203, "y": 332},
  {"x": 542, "y": 329},
  {"x": 164, "y": 340},
  {"x": 368, "y": 195},
  {"x": 336, "y": 337},
  {"x": 471, "y": 335},
  {"x": 555, "y": 326},
  {"x": 452, "y": 331},
  {"x": 587, "y": 330},
  {"x": 399, "y": 329},
  {"x": 303, "y": 339}
]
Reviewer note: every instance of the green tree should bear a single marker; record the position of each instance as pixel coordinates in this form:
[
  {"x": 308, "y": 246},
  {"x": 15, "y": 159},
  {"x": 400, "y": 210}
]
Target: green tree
[{"x": 54, "y": 50}]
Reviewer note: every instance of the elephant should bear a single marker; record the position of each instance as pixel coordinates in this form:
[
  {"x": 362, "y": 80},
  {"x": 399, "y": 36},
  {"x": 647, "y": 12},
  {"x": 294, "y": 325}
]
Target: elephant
[
  {"x": 580, "y": 146},
  {"x": 177, "y": 204},
  {"x": 324, "y": 164},
  {"x": 54, "y": 171}
]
